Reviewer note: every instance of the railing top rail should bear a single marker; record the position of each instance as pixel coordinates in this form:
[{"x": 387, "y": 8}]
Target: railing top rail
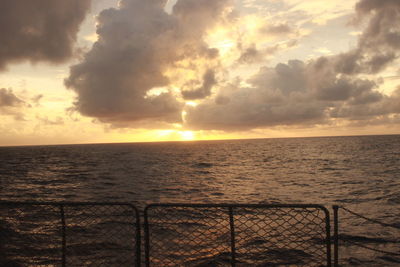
[
  {"x": 67, "y": 203},
  {"x": 237, "y": 205},
  {"x": 205, "y": 205}
]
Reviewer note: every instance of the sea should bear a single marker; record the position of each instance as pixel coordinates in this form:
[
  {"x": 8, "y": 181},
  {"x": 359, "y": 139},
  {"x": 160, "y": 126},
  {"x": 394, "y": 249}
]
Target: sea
[{"x": 360, "y": 173}]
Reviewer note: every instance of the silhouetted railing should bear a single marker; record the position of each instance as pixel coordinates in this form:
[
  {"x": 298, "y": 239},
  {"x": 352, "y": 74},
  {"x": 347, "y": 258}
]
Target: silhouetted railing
[
  {"x": 69, "y": 234},
  {"x": 357, "y": 240},
  {"x": 243, "y": 235},
  {"x": 109, "y": 234}
]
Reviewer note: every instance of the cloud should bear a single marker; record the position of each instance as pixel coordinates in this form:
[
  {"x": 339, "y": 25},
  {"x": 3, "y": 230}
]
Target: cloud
[
  {"x": 123, "y": 79},
  {"x": 318, "y": 91},
  {"x": 51, "y": 122},
  {"x": 251, "y": 55},
  {"x": 254, "y": 55},
  {"x": 39, "y": 30},
  {"x": 278, "y": 29},
  {"x": 199, "y": 14},
  {"x": 379, "y": 43},
  {"x": 296, "y": 93},
  {"x": 372, "y": 106},
  {"x": 9, "y": 99},
  {"x": 276, "y": 96},
  {"x": 205, "y": 90},
  {"x": 146, "y": 63},
  {"x": 36, "y": 99},
  {"x": 10, "y": 104}
]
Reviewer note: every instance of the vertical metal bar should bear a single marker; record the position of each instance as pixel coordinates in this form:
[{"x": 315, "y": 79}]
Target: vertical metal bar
[
  {"x": 336, "y": 236},
  {"x": 328, "y": 238},
  {"x": 232, "y": 227},
  {"x": 147, "y": 237},
  {"x": 64, "y": 242},
  {"x": 138, "y": 238}
]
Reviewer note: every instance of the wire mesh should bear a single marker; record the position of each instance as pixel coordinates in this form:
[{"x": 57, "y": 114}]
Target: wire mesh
[
  {"x": 108, "y": 234},
  {"x": 188, "y": 236},
  {"x": 377, "y": 239},
  {"x": 55, "y": 234},
  {"x": 30, "y": 235},
  {"x": 281, "y": 236},
  {"x": 237, "y": 235}
]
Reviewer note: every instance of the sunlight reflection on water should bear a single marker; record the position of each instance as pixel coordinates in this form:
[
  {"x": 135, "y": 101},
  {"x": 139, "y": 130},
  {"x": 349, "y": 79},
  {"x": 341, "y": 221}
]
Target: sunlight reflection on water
[{"x": 361, "y": 173}]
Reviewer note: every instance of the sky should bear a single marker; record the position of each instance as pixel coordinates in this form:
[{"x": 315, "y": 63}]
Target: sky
[{"x": 102, "y": 71}]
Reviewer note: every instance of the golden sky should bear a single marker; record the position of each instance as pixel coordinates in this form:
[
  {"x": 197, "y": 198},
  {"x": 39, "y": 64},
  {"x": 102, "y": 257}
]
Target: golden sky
[{"x": 90, "y": 71}]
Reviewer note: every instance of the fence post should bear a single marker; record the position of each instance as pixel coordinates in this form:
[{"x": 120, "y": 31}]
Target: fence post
[
  {"x": 336, "y": 235},
  {"x": 138, "y": 237},
  {"x": 147, "y": 237},
  {"x": 64, "y": 242},
  {"x": 232, "y": 227}
]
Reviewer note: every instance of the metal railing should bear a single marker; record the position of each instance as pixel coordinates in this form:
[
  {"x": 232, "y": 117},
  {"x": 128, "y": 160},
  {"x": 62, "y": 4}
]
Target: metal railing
[
  {"x": 69, "y": 234},
  {"x": 357, "y": 240},
  {"x": 109, "y": 234},
  {"x": 237, "y": 235}
]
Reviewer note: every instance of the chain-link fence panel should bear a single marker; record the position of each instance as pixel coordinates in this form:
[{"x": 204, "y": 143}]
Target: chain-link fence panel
[
  {"x": 69, "y": 234},
  {"x": 30, "y": 235},
  {"x": 237, "y": 235},
  {"x": 281, "y": 236},
  {"x": 187, "y": 236}
]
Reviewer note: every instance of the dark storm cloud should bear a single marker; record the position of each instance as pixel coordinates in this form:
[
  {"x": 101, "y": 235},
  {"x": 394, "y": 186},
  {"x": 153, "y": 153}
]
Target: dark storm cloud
[
  {"x": 137, "y": 44},
  {"x": 42, "y": 30}
]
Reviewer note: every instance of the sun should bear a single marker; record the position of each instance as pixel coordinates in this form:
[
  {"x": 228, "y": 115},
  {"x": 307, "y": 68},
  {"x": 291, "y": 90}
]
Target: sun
[
  {"x": 187, "y": 135},
  {"x": 175, "y": 135}
]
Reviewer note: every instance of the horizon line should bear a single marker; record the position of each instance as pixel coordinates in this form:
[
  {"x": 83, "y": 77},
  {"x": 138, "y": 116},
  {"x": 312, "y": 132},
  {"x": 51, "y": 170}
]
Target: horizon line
[{"x": 199, "y": 140}]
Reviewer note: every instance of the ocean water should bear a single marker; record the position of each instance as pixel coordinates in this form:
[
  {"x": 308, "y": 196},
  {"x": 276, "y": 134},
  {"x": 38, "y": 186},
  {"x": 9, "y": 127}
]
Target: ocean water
[{"x": 360, "y": 173}]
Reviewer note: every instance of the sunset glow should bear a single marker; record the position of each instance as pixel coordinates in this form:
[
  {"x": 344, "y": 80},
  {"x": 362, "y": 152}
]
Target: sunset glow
[
  {"x": 214, "y": 70},
  {"x": 187, "y": 135},
  {"x": 212, "y": 132}
]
